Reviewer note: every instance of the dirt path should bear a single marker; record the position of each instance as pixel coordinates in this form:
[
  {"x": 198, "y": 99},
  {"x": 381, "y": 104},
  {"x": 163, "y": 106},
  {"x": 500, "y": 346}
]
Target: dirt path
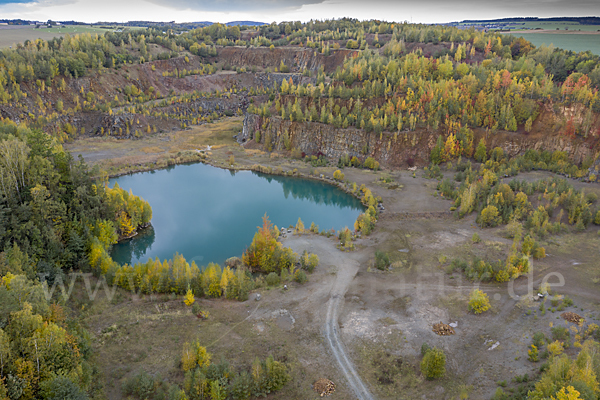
[
  {"x": 346, "y": 266},
  {"x": 346, "y": 273}
]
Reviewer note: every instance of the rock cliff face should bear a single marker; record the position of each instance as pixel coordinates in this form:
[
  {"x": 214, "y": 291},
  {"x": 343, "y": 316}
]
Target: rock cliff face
[
  {"x": 295, "y": 58},
  {"x": 405, "y": 148}
]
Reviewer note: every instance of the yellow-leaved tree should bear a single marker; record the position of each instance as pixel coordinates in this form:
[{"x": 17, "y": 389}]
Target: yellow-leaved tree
[
  {"x": 571, "y": 395},
  {"x": 265, "y": 253},
  {"x": 194, "y": 355},
  {"x": 299, "y": 226},
  {"x": 189, "y": 298},
  {"x": 478, "y": 301},
  {"x": 227, "y": 278}
]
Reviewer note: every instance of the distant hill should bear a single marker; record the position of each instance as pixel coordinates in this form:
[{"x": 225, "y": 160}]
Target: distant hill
[
  {"x": 153, "y": 24},
  {"x": 581, "y": 20},
  {"x": 15, "y": 21},
  {"x": 246, "y": 23}
]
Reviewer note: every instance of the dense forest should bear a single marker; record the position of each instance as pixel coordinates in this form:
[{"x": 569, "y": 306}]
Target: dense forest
[{"x": 50, "y": 213}]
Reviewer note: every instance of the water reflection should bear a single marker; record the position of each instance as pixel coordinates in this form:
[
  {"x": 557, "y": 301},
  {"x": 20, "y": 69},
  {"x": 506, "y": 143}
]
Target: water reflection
[
  {"x": 136, "y": 247},
  {"x": 208, "y": 214},
  {"x": 312, "y": 190}
]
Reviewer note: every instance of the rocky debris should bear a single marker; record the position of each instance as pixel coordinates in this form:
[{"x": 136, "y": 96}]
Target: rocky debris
[
  {"x": 324, "y": 387},
  {"x": 443, "y": 329},
  {"x": 572, "y": 317},
  {"x": 496, "y": 344}
]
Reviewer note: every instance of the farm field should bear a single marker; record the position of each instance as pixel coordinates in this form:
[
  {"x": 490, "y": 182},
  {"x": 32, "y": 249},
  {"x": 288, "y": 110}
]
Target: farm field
[
  {"x": 561, "y": 26},
  {"x": 13, "y": 34},
  {"x": 572, "y": 26},
  {"x": 567, "y": 41}
]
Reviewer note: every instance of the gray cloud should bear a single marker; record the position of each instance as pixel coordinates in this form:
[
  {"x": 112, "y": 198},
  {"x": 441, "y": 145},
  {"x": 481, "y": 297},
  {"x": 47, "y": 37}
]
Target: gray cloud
[{"x": 235, "y": 5}]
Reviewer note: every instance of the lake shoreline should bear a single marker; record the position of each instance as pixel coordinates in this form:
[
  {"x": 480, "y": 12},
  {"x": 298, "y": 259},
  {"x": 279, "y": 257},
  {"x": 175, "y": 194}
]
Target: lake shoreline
[
  {"x": 254, "y": 168},
  {"x": 178, "y": 192}
]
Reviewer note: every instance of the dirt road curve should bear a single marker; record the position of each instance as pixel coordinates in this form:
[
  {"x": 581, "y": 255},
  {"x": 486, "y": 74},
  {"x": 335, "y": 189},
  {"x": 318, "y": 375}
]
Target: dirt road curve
[
  {"x": 347, "y": 269},
  {"x": 337, "y": 348}
]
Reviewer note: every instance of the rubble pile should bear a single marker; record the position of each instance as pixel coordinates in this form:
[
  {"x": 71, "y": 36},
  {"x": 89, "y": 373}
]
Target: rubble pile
[
  {"x": 324, "y": 387},
  {"x": 443, "y": 329},
  {"x": 572, "y": 317}
]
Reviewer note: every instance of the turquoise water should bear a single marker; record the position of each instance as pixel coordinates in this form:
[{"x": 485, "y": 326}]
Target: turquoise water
[{"x": 209, "y": 214}]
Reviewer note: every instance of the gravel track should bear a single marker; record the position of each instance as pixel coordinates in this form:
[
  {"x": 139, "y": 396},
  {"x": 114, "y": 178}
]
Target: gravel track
[{"x": 345, "y": 274}]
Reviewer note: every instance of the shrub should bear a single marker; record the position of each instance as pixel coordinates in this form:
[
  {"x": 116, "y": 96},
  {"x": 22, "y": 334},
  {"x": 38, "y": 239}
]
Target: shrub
[
  {"x": 345, "y": 236},
  {"x": 499, "y": 395},
  {"x": 300, "y": 276},
  {"x": 533, "y": 354},
  {"x": 446, "y": 188},
  {"x": 189, "y": 298},
  {"x": 313, "y": 261},
  {"x": 567, "y": 301},
  {"x": 434, "y": 172},
  {"x": 382, "y": 260},
  {"x": 433, "y": 364},
  {"x": 141, "y": 385},
  {"x": 481, "y": 152},
  {"x": 425, "y": 347},
  {"x": 338, "y": 175},
  {"x": 489, "y": 216},
  {"x": 478, "y": 301},
  {"x": 194, "y": 355},
  {"x": 539, "y": 252},
  {"x": 370, "y": 163},
  {"x": 196, "y": 308},
  {"x": 597, "y": 219},
  {"x": 555, "y": 348},
  {"x": 435, "y": 157},
  {"x": 61, "y": 387},
  {"x": 273, "y": 279},
  {"x": 539, "y": 339},
  {"x": 560, "y": 333},
  {"x": 476, "y": 238}
]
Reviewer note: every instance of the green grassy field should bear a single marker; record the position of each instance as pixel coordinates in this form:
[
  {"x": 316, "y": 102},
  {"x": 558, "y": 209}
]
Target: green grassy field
[
  {"x": 561, "y": 26},
  {"x": 10, "y": 36},
  {"x": 567, "y": 41}
]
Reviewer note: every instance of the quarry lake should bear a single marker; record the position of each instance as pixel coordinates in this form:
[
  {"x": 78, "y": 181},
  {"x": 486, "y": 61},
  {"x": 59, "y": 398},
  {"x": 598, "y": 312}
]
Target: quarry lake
[{"x": 209, "y": 214}]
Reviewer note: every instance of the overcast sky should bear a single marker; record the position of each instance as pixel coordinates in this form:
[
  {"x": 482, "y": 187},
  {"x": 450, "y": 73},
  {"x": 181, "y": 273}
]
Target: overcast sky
[{"x": 425, "y": 11}]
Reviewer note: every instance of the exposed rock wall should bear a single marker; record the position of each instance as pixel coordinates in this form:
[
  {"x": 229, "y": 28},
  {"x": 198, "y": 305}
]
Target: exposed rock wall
[
  {"x": 405, "y": 148},
  {"x": 295, "y": 58}
]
